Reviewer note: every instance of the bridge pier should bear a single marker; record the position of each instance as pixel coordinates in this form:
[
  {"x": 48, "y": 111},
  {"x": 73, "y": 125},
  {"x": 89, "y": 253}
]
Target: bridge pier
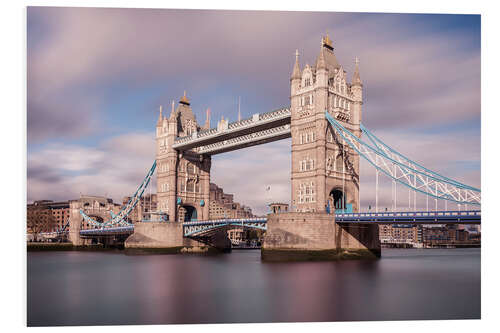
[
  {"x": 75, "y": 223},
  {"x": 294, "y": 236}
]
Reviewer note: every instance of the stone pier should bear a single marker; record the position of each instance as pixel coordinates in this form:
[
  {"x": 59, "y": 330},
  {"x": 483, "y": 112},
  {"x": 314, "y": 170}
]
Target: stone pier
[{"x": 295, "y": 236}]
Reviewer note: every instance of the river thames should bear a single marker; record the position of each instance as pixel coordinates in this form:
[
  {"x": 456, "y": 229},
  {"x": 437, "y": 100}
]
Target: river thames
[{"x": 112, "y": 288}]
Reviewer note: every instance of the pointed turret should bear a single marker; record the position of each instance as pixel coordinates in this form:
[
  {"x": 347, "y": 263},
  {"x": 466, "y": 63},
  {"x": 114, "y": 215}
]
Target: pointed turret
[
  {"x": 160, "y": 118},
  {"x": 296, "y": 67},
  {"x": 207, "y": 122},
  {"x": 321, "y": 62},
  {"x": 172, "y": 113},
  {"x": 356, "y": 79}
]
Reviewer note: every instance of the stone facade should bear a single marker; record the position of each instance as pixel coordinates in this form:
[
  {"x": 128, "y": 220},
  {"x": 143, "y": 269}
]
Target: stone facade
[
  {"x": 183, "y": 178},
  {"x": 324, "y": 168},
  {"x": 96, "y": 207},
  {"x": 316, "y": 236},
  {"x": 47, "y": 216}
]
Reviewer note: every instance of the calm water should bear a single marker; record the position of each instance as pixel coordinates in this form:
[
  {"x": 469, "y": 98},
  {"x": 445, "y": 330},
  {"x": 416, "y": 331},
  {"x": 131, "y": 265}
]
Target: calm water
[{"x": 99, "y": 288}]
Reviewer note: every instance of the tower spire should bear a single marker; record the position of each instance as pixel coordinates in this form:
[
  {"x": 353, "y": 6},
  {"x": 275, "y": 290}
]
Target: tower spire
[
  {"x": 160, "y": 117},
  {"x": 207, "y": 122},
  {"x": 356, "y": 79},
  {"x": 296, "y": 67},
  {"x": 321, "y": 63},
  {"x": 172, "y": 113}
]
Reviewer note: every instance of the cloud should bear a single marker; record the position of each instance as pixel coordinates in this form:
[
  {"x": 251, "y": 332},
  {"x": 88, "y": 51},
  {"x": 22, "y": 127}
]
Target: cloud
[
  {"x": 115, "y": 168},
  {"x": 94, "y": 73},
  {"x": 88, "y": 58}
]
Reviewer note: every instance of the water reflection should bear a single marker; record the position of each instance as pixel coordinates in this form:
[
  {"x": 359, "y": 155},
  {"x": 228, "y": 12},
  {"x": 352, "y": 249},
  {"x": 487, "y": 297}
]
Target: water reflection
[{"x": 98, "y": 288}]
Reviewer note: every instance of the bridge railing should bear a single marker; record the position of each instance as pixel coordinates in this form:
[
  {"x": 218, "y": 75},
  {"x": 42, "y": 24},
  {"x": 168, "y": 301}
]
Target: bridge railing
[{"x": 245, "y": 123}]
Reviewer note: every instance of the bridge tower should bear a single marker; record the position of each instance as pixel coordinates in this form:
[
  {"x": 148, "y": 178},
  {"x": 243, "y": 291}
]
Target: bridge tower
[
  {"x": 325, "y": 170},
  {"x": 183, "y": 179}
]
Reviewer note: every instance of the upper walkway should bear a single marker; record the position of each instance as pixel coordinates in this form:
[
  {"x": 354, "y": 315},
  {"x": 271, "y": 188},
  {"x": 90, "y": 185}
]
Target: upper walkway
[{"x": 261, "y": 128}]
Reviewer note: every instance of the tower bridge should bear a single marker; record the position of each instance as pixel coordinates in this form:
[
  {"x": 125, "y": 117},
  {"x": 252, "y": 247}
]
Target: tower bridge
[{"x": 324, "y": 122}]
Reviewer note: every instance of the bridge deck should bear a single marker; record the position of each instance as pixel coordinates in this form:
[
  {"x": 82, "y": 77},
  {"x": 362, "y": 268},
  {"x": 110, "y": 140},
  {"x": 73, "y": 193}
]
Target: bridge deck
[{"x": 436, "y": 218}]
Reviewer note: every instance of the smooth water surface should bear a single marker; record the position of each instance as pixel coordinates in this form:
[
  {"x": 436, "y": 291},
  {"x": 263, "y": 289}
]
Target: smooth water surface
[{"x": 100, "y": 288}]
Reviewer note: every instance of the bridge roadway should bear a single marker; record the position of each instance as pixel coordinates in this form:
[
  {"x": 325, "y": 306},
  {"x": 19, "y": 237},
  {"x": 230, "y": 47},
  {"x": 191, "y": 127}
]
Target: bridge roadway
[{"x": 423, "y": 217}]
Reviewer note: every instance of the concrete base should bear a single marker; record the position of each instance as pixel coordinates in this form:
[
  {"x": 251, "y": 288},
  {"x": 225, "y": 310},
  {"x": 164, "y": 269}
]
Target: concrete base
[
  {"x": 316, "y": 236},
  {"x": 164, "y": 237}
]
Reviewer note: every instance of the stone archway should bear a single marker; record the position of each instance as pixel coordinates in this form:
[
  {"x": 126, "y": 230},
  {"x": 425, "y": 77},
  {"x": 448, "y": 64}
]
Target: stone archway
[
  {"x": 337, "y": 199},
  {"x": 187, "y": 213}
]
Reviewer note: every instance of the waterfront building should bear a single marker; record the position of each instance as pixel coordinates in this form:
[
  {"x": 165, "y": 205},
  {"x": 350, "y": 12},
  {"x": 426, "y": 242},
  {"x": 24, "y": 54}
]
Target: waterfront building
[
  {"x": 222, "y": 205},
  {"x": 398, "y": 235},
  {"x": 47, "y": 216}
]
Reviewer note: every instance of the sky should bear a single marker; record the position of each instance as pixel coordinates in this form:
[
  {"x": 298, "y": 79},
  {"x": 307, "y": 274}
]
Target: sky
[{"x": 96, "y": 78}]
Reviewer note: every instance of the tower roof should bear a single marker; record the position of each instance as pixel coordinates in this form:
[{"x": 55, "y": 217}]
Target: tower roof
[
  {"x": 184, "y": 99},
  {"x": 326, "y": 58}
]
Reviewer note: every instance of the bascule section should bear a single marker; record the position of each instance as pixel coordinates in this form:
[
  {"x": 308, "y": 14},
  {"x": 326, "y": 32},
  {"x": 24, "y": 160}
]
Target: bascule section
[{"x": 325, "y": 170}]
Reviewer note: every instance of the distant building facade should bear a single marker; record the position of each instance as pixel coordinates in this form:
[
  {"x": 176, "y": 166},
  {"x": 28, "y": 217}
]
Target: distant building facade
[
  {"x": 147, "y": 204},
  {"x": 222, "y": 205},
  {"x": 425, "y": 236},
  {"x": 47, "y": 216}
]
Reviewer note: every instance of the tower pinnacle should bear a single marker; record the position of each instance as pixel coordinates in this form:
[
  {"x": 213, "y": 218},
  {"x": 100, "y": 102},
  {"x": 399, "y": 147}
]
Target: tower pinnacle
[
  {"x": 356, "y": 79},
  {"x": 296, "y": 67},
  {"x": 172, "y": 113},
  {"x": 160, "y": 117}
]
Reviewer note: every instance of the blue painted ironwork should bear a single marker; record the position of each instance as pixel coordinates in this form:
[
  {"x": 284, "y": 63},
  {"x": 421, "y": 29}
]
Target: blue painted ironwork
[
  {"x": 120, "y": 218},
  {"x": 123, "y": 230},
  {"x": 423, "y": 217},
  {"x": 385, "y": 160},
  {"x": 199, "y": 227}
]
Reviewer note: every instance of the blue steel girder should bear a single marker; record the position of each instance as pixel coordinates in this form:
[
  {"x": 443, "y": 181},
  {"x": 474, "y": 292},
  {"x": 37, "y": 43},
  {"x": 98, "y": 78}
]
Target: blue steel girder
[
  {"x": 199, "y": 227},
  {"x": 260, "y": 128},
  {"x": 404, "y": 171},
  {"x": 421, "y": 217},
  {"x": 120, "y": 217}
]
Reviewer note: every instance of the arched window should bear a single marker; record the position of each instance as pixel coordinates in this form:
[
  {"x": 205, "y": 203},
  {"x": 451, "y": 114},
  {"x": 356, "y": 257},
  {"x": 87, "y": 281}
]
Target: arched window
[{"x": 190, "y": 169}]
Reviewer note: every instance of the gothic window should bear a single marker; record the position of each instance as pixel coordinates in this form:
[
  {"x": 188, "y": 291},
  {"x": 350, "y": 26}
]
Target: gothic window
[
  {"x": 190, "y": 186},
  {"x": 301, "y": 138},
  {"x": 190, "y": 169},
  {"x": 335, "y": 104},
  {"x": 311, "y": 99},
  {"x": 182, "y": 186}
]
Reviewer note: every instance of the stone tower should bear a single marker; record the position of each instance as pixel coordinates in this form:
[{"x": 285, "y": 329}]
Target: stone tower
[
  {"x": 325, "y": 170},
  {"x": 183, "y": 179}
]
